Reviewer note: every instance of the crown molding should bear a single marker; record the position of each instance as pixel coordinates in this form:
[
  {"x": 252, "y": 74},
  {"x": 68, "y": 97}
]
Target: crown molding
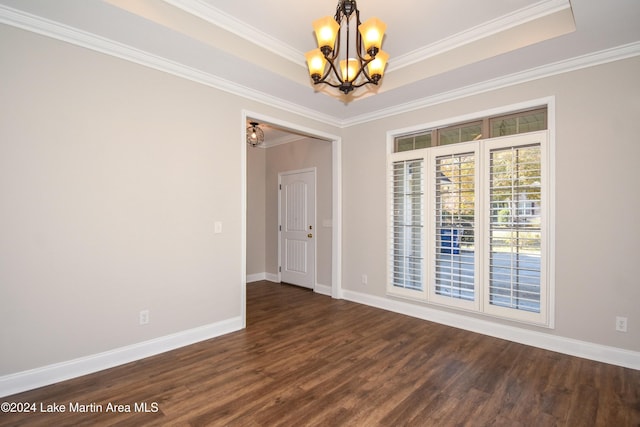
[
  {"x": 283, "y": 140},
  {"x": 585, "y": 61},
  {"x": 58, "y": 31},
  {"x": 97, "y": 43},
  {"x": 486, "y": 29},
  {"x": 223, "y": 20},
  {"x": 204, "y": 10}
]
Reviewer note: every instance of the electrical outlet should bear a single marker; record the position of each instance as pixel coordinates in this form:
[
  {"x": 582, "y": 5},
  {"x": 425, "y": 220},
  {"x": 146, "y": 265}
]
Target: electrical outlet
[
  {"x": 364, "y": 279},
  {"x": 144, "y": 317},
  {"x": 621, "y": 324}
]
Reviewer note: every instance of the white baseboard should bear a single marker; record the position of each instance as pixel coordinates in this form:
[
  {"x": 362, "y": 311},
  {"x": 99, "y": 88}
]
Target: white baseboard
[
  {"x": 272, "y": 277},
  {"x": 318, "y": 288},
  {"x": 256, "y": 277},
  {"x": 39, "y": 377},
  {"x": 572, "y": 347},
  {"x": 322, "y": 289},
  {"x": 251, "y": 278}
]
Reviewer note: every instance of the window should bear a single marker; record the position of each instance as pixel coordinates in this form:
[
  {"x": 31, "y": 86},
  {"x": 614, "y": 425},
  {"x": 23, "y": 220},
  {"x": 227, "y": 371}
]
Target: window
[
  {"x": 453, "y": 224},
  {"x": 517, "y": 226},
  {"x": 523, "y": 121},
  {"x": 460, "y": 133},
  {"x": 413, "y": 142},
  {"x": 469, "y": 222},
  {"x": 407, "y": 224}
]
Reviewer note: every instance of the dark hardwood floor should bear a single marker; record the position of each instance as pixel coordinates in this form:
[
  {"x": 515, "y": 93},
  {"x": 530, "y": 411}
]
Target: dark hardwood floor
[{"x": 305, "y": 359}]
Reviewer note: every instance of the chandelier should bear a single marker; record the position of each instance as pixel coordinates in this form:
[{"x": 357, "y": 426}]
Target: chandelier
[
  {"x": 255, "y": 135},
  {"x": 360, "y": 64}
]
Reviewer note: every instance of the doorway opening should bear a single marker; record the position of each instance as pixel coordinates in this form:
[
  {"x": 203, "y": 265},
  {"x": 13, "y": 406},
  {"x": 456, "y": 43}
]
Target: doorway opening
[{"x": 290, "y": 148}]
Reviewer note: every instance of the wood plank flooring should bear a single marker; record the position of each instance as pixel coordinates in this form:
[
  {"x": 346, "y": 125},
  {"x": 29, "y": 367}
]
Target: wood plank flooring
[{"x": 307, "y": 360}]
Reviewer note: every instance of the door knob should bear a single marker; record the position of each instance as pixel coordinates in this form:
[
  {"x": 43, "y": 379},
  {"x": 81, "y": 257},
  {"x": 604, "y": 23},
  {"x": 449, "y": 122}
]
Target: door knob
[{"x": 309, "y": 235}]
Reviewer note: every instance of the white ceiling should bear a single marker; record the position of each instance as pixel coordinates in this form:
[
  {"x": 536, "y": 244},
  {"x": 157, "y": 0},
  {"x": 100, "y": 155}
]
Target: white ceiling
[{"x": 256, "y": 48}]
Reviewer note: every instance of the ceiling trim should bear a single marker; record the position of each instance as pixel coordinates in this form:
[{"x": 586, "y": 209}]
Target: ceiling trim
[
  {"x": 58, "y": 31},
  {"x": 484, "y": 30},
  {"x": 585, "y": 61},
  {"x": 223, "y": 20},
  {"x": 106, "y": 46},
  {"x": 282, "y": 140},
  {"x": 519, "y": 17}
]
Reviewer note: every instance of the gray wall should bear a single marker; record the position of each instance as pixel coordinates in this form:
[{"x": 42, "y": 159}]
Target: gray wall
[
  {"x": 256, "y": 210},
  {"x": 597, "y": 197},
  {"x": 112, "y": 176}
]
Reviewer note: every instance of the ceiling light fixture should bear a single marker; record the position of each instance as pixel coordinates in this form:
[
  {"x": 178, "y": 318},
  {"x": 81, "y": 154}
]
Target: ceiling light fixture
[
  {"x": 255, "y": 135},
  {"x": 351, "y": 72}
]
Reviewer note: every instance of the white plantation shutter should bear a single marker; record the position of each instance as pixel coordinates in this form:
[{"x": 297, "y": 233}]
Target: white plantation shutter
[
  {"x": 453, "y": 240},
  {"x": 515, "y": 234},
  {"x": 407, "y": 224},
  {"x": 469, "y": 226},
  {"x": 452, "y": 203},
  {"x": 516, "y": 249}
]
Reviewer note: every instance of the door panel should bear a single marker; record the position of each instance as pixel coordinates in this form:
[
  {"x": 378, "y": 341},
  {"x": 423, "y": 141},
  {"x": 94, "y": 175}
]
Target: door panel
[{"x": 297, "y": 220}]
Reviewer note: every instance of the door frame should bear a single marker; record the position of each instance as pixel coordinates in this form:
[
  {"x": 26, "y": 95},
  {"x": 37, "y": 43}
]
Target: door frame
[
  {"x": 315, "y": 218},
  {"x": 336, "y": 199}
]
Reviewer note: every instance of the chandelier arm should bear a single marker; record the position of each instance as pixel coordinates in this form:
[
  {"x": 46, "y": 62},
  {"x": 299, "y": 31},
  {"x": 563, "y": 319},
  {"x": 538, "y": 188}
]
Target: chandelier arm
[
  {"x": 332, "y": 67},
  {"x": 327, "y": 83},
  {"x": 363, "y": 67},
  {"x": 332, "y": 76},
  {"x": 336, "y": 47},
  {"x": 362, "y": 60},
  {"x": 359, "y": 46},
  {"x": 366, "y": 82},
  {"x": 346, "y": 78}
]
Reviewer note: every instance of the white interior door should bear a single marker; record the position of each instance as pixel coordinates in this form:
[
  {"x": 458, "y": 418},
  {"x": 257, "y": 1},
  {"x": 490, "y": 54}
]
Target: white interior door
[{"x": 298, "y": 228}]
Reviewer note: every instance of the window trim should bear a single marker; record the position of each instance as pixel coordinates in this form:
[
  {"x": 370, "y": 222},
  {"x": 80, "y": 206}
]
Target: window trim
[
  {"x": 521, "y": 315},
  {"x": 547, "y": 319},
  {"x": 431, "y": 239},
  {"x": 510, "y": 116},
  {"x": 399, "y": 157}
]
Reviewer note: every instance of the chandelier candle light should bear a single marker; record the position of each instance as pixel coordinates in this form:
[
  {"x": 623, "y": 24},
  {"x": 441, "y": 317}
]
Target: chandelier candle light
[{"x": 352, "y": 72}]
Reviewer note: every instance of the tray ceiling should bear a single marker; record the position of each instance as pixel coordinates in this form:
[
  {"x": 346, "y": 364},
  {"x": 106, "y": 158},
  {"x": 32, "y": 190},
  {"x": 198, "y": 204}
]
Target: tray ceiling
[{"x": 256, "y": 48}]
